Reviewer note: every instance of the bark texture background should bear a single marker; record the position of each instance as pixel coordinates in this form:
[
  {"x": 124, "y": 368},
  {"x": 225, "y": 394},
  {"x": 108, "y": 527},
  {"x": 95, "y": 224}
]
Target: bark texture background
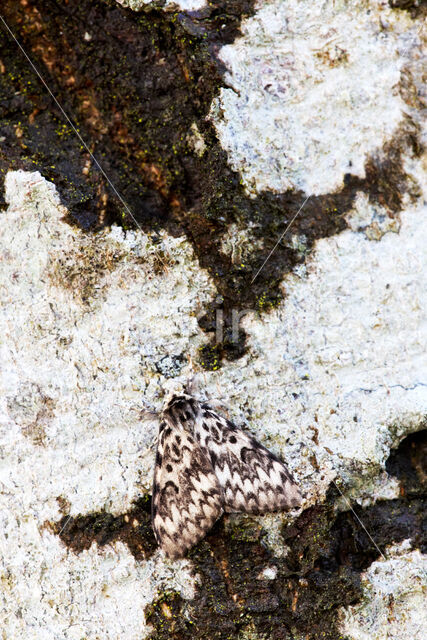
[{"x": 108, "y": 302}]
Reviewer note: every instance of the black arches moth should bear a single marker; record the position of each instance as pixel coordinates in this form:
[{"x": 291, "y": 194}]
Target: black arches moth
[{"x": 205, "y": 466}]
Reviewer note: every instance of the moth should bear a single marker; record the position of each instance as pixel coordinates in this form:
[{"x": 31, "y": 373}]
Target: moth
[{"x": 206, "y": 466}]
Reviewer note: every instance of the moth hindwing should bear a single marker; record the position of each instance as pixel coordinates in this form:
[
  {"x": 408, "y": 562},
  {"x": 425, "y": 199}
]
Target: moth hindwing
[{"x": 206, "y": 465}]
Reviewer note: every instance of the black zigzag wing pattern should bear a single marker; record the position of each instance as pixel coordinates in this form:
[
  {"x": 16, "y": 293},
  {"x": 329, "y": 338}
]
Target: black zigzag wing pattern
[
  {"x": 187, "y": 498},
  {"x": 206, "y": 465},
  {"x": 253, "y": 479}
]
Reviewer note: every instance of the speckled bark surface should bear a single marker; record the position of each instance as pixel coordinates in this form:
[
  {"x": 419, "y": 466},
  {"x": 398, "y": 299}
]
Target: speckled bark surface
[
  {"x": 146, "y": 146},
  {"x": 98, "y": 322}
]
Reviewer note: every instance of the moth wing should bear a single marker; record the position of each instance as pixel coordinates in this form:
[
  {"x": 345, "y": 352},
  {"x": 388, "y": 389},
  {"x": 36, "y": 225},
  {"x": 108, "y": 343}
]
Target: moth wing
[
  {"x": 252, "y": 478},
  {"x": 187, "y": 497}
]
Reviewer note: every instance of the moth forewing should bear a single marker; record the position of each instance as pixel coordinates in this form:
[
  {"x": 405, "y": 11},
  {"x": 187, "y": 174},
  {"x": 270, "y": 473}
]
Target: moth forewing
[{"x": 187, "y": 498}]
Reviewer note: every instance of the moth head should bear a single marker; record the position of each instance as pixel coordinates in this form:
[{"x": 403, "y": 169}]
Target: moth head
[
  {"x": 176, "y": 391},
  {"x": 176, "y": 399},
  {"x": 180, "y": 411}
]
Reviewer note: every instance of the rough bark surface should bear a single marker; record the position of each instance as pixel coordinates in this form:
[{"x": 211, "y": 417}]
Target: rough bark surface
[{"x": 138, "y": 87}]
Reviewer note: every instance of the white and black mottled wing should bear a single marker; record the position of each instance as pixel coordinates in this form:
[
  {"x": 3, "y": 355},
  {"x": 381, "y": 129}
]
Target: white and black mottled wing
[
  {"x": 253, "y": 480},
  {"x": 187, "y": 498}
]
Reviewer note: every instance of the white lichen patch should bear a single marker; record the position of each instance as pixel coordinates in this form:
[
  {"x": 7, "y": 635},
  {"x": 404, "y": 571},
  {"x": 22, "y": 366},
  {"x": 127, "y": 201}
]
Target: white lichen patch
[
  {"x": 393, "y": 606},
  {"x": 337, "y": 373},
  {"x": 314, "y": 90},
  {"x": 195, "y": 140},
  {"x": 373, "y": 219},
  {"x": 372, "y": 489},
  {"x": 84, "y": 322},
  {"x": 48, "y": 592},
  {"x": 85, "y": 329},
  {"x": 269, "y": 573}
]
